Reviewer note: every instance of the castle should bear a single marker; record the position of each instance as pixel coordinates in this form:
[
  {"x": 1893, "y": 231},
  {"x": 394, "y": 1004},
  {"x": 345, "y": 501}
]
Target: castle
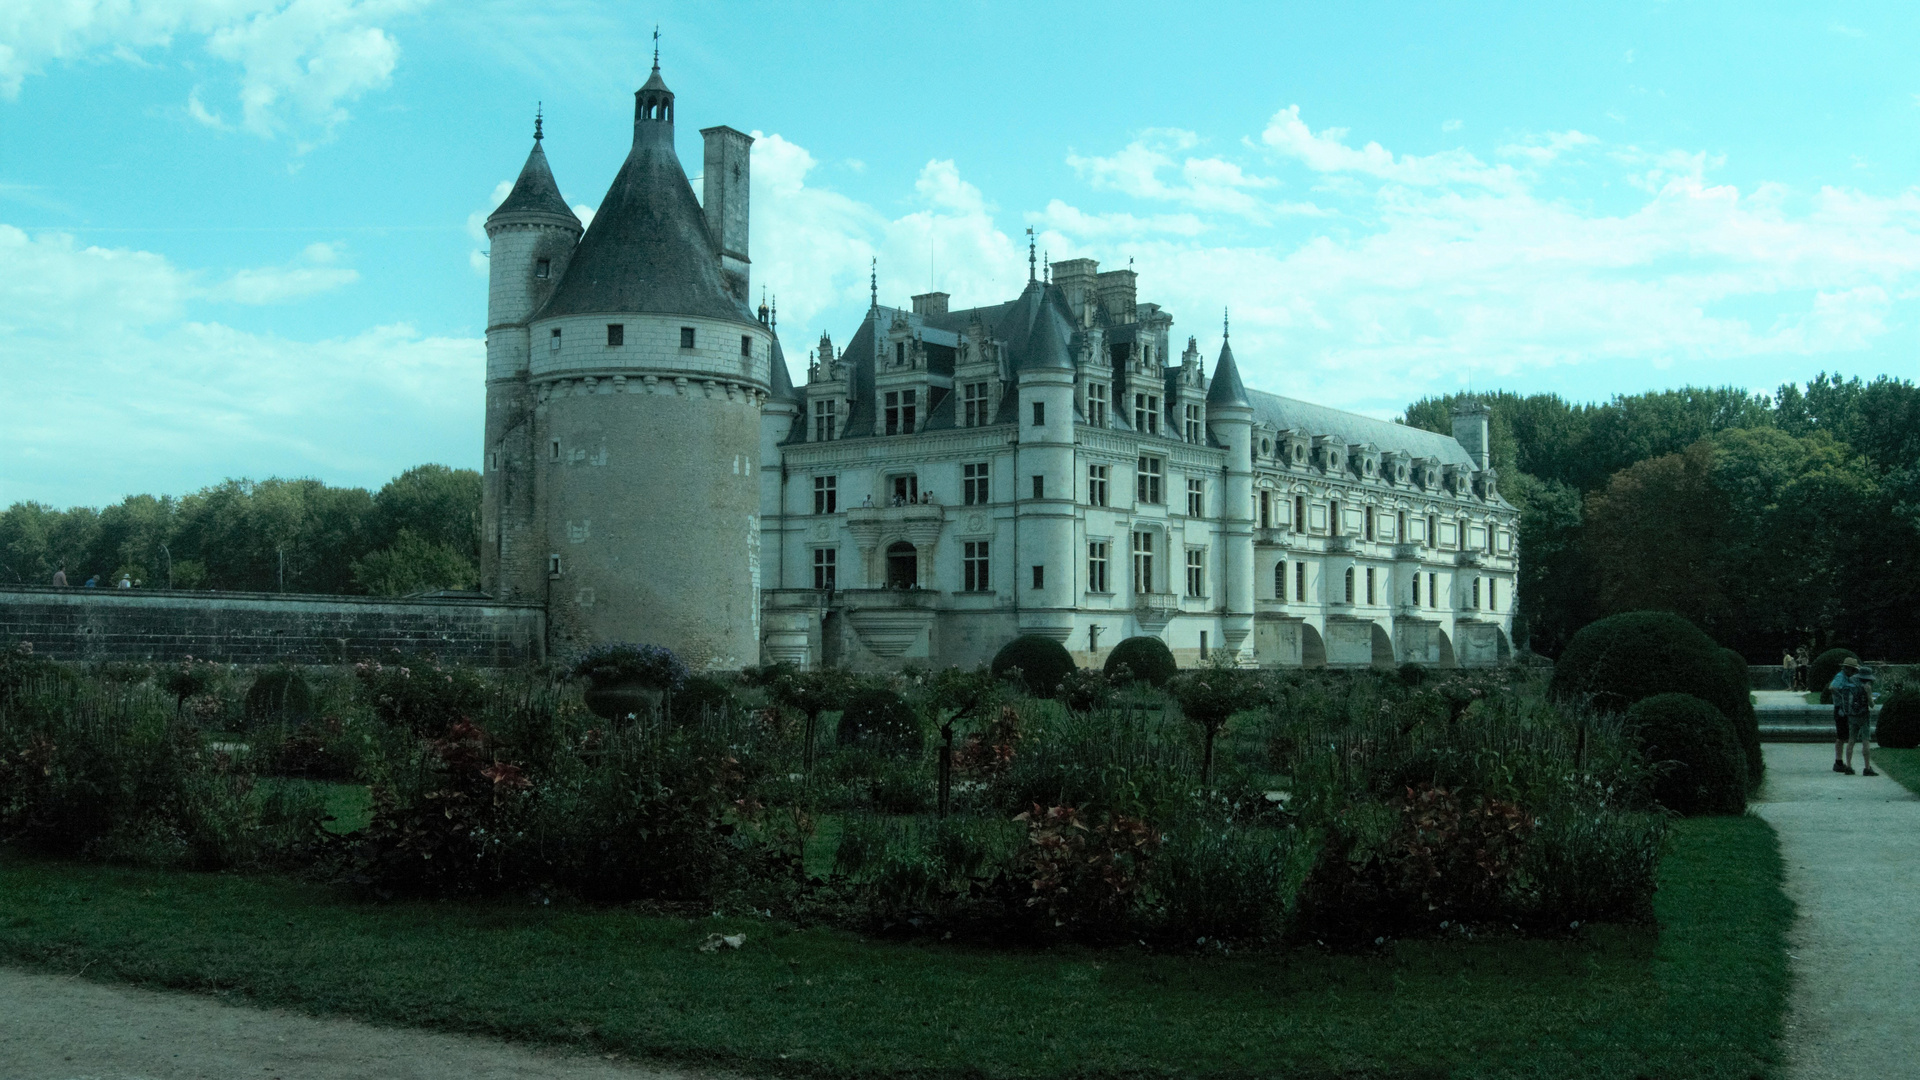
[{"x": 946, "y": 480}]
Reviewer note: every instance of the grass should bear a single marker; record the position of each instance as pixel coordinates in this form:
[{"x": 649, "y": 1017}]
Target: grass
[
  {"x": 1902, "y": 765},
  {"x": 1701, "y": 997}
]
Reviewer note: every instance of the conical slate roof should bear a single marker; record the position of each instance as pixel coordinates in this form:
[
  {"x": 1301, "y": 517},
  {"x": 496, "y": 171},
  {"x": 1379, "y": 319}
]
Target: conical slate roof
[
  {"x": 783, "y": 379},
  {"x": 648, "y": 250},
  {"x": 535, "y": 198},
  {"x": 1036, "y": 326},
  {"x": 1227, "y": 391}
]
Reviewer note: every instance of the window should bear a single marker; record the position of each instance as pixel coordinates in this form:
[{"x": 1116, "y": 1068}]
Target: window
[
  {"x": 824, "y": 567},
  {"x": 1333, "y": 519},
  {"x": 746, "y": 345},
  {"x": 1349, "y": 585},
  {"x": 1097, "y": 476},
  {"x": 899, "y": 352},
  {"x": 1039, "y": 414},
  {"x": 1196, "y": 572},
  {"x": 1097, "y": 566},
  {"x": 1196, "y": 497},
  {"x": 1266, "y": 510},
  {"x": 616, "y": 333},
  {"x": 1299, "y": 513},
  {"x": 553, "y": 565},
  {"x": 1039, "y": 577},
  {"x": 1300, "y": 581},
  {"x": 1400, "y": 526},
  {"x": 542, "y": 268},
  {"x": 1146, "y": 414},
  {"x": 1433, "y": 590},
  {"x": 903, "y": 566},
  {"x": 1370, "y": 599},
  {"x": 553, "y": 340},
  {"x": 1476, "y": 594},
  {"x": 826, "y": 421},
  {"x": 1142, "y": 562},
  {"x": 686, "y": 337},
  {"x": 495, "y": 458},
  {"x": 1097, "y": 404},
  {"x": 1416, "y": 590},
  {"x": 973, "y": 566},
  {"x": 906, "y": 489},
  {"x": 974, "y": 400},
  {"x": 553, "y": 449},
  {"x": 826, "y": 494},
  {"x": 1280, "y": 580},
  {"x": 1489, "y": 538},
  {"x": 1146, "y": 481},
  {"x": 1493, "y": 600},
  {"x": 1203, "y": 644},
  {"x": 1369, "y": 523},
  {"x": 1196, "y": 431},
  {"x": 1432, "y": 539},
  {"x": 899, "y": 410},
  {"x": 973, "y": 484},
  {"x": 1039, "y": 487}
]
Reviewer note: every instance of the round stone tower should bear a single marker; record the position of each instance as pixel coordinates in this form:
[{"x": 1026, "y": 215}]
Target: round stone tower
[
  {"x": 532, "y": 236},
  {"x": 648, "y": 373}
]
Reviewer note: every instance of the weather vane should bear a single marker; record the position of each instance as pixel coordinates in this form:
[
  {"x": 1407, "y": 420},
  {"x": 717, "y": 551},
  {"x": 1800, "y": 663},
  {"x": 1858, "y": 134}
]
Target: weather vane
[{"x": 656, "y": 46}]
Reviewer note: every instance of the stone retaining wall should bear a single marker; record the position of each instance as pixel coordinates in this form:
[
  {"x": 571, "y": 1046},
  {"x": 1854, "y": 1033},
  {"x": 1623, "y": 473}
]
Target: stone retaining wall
[{"x": 79, "y": 624}]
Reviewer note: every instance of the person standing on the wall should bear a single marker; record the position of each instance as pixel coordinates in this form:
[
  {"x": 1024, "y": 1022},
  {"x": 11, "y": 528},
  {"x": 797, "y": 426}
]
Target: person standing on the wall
[{"x": 60, "y": 577}]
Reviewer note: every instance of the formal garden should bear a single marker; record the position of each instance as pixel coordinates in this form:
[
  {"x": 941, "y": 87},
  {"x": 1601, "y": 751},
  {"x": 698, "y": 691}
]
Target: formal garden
[{"x": 1025, "y": 870}]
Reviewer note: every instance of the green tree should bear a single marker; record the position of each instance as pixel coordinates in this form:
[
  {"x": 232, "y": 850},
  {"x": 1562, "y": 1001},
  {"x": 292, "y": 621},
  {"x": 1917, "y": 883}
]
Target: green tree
[
  {"x": 414, "y": 564},
  {"x": 1654, "y": 537}
]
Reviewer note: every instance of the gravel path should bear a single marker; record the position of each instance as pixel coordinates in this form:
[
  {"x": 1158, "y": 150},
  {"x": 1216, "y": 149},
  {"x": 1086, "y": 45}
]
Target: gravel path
[
  {"x": 53, "y": 1027},
  {"x": 1852, "y": 851}
]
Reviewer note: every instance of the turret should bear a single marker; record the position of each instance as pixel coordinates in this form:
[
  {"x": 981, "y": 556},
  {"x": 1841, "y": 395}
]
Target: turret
[
  {"x": 531, "y": 236},
  {"x": 1230, "y": 419},
  {"x": 1046, "y": 577},
  {"x": 1470, "y": 417}
]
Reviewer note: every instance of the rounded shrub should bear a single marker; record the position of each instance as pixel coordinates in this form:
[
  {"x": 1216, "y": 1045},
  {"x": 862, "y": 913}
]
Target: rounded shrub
[
  {"x": 1738, "y": 709},
  {"x": 1147, "y": 660},
  {"x": 1825, "y": 667},
  {"x": 279, "y": 695},
  {"x": 879, "y": 719},
  {"x": 1899, "y": 724},
  {"x": 1623, "y": 658},
  {"x": 1701, "y": 768},
  {"x": 1042, "y": 661},
  {"x": 699, "y": 696}
]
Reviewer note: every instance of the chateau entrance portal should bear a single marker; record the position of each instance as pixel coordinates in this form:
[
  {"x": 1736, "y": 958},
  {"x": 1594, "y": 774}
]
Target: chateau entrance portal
[{"x": 903, "y": 566}]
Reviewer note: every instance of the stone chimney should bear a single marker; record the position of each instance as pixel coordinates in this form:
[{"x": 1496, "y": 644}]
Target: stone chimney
[
  {"x": 727, "y": 170},
  {"x": 933, "y": 303},
  {"x": 1470, "y": 418}
]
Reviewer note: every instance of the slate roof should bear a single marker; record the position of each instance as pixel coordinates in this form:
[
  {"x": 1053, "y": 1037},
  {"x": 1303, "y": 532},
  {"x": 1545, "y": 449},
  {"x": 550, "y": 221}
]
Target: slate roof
[
  {"x": 1226, "y": 390},
  {"x": 1291, "y": 414},
  {"x": 648, "y": 250},
  {"x": 535, "y": 197}
]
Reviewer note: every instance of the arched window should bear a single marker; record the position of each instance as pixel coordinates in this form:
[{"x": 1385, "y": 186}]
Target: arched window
[
  {"x": 1349, "y": 584},
  {"x": 1280, "y": 580},
  {"x": 903, "y": 566}
]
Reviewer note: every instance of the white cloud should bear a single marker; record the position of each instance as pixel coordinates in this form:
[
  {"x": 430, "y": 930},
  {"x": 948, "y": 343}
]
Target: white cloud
[
  {"x": 313, "y": 273},
  {"x": 1450, "y": 125},
  {"x": 1327, "y": 152},
  {"x": 113, "y": 388},
  {"x": 1548, "y": 148},
  {"x": 1202, "y": 184},
  {"x": 1073, "y": 221},
  {"x": 299, "y": 61}
]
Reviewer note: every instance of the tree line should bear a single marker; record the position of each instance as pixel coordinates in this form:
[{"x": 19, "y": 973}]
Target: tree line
[
  {"x": 1768, "y": 521},
  {"x": 419, "y": 532}
]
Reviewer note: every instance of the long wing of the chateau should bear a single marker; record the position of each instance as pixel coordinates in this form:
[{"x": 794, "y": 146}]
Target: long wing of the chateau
[{"x": 945, "y": 480}]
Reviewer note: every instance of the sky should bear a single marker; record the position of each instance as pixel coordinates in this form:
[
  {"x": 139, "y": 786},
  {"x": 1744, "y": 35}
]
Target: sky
[{"x": 242, "y": 238}]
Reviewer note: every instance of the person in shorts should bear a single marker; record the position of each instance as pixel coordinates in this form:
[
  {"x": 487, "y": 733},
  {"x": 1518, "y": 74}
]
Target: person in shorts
[{"x": 1852, "y": 716}]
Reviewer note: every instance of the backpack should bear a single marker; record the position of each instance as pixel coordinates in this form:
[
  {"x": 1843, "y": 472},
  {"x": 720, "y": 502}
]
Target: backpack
[{"x": 1851, "y": 699}]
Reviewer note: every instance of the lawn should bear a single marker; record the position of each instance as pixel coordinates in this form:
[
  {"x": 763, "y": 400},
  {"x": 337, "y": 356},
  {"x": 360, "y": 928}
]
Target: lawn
[
  {"x": 1702, "y": 997},
  {"x": 1902, "y": 765}
]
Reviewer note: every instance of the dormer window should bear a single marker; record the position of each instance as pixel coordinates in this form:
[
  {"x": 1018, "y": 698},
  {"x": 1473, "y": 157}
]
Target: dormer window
[
  {"x": 1195, "y": 431},
  {"x": 899, "y": 411},
  {"x": 542, "y": 267},
  {"x": 974, "y": 399},
  {"x": 1097, "y": 404},
  {"x": 826, "y": 420},
  {"x": 900, "y": 352}
]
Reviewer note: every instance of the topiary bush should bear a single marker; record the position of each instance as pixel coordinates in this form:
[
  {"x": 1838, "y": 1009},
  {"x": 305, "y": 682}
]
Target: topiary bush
[
  {"x": 1899, "y": 725},
  {"x": 279, "y": 695},
  {"x": 1701, "y": 768},
  {"x": 879, "y": 719},
  {"x": 1623, "y": 658},
  {"x": 1042, "y": 661},
  {"x": 1147, "y": 660},
  {"x": 1825, "y": 667},
  {"x": 1738, "y": 709},
  {"x": 701, "y": 696}
]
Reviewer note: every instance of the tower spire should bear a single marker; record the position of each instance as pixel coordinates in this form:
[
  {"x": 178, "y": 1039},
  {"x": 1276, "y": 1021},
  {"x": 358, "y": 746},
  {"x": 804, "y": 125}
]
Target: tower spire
[
  {"x": 1030, "y": 254},
  {"x": 656, "y": 48},
  {"x": 1225, "y": 326},
  {"x": 536, "y": 121},
  {"x": 873, "y": 283}
]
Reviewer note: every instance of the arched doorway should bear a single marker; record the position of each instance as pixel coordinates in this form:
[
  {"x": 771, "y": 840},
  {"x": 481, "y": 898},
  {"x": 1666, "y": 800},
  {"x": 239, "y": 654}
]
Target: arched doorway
[
  {"x": 1313, "y": 648},
  {"x": 1446, "y": 648},
  {"x": 1382, "y": 647},
  {"x": 903, "y": 566}
]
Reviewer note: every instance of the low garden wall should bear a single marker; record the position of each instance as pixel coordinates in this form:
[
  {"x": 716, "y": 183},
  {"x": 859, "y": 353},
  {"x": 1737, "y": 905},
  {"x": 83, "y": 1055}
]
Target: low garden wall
[{"x": 79, "y": 624}]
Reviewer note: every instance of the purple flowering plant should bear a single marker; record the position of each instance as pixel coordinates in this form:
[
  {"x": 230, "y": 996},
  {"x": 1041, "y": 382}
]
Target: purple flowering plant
[{"x": 622, "y": 662}]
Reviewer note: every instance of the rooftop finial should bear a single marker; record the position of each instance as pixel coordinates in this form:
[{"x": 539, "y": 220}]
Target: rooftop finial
[
  {"x": 1225, "y": 326},
  {"x": 773, "y": 314},
  {"x": 1048, "y": 264},
  {"x": 873, "y": 283},
  {"x": 536, "y": 121},
  {"x": 1030, "y": 255},
  {"x": 656, "y": 47}
]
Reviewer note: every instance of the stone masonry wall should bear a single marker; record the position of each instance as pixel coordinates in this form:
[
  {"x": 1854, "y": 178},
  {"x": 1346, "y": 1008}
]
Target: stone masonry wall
[{"x": 78, "y": 624}]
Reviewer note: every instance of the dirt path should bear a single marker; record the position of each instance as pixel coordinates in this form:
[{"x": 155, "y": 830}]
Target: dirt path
[
  {"x": 1852, "y": 851},
  {"x": 53, "y": 1027}
]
